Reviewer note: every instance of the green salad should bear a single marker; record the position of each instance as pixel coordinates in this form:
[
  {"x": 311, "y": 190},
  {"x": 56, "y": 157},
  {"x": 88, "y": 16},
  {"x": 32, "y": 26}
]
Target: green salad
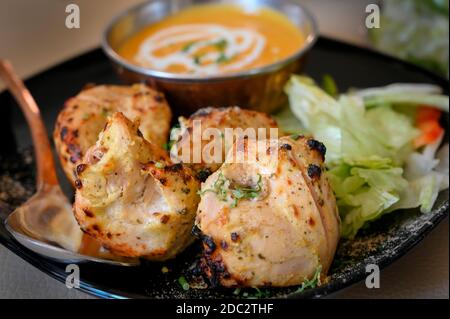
[
  {"x": 415, "y": 30},
  {"x": 382, "y": 145}
]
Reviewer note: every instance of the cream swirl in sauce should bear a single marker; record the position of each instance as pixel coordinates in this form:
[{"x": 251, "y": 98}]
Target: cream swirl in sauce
[{"x": 205, "y": 48}]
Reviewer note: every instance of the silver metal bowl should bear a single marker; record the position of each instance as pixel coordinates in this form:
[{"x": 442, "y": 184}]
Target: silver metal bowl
[{"x": 259, "y": 88}]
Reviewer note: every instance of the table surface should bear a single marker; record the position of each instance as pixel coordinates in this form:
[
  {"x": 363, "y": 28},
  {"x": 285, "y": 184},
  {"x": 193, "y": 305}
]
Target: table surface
[{"x": 33, "y": 36}]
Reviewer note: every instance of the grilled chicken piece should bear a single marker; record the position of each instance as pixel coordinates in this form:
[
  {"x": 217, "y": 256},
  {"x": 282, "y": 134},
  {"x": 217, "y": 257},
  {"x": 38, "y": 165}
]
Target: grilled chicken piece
[
  {"x": 132, "y": 198},
  {"x": 220, "y": 118},
  {"x": 84, "y": 116},
  {"x": 271, "y": 221}
]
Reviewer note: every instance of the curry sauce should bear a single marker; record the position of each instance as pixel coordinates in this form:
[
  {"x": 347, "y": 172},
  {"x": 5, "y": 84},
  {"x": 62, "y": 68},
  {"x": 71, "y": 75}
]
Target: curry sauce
[{"x": 213, "y": 39}]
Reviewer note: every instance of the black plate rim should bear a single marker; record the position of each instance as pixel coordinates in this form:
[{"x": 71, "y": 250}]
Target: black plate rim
[{"x": 440, "y": 213}]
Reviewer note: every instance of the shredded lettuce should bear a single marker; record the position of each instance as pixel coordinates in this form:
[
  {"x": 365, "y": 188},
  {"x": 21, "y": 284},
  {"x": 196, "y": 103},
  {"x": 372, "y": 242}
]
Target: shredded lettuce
[
  {"x": 350, "y": 130},
  {"x": 372, "y": 165},
  {"x": 426, "y": 179},
  {"x": 365, "y": 193},
  {"x": 409, "y": 94}
]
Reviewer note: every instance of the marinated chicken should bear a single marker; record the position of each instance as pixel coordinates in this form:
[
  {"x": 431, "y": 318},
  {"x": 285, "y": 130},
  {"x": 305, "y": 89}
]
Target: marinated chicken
[
  {"x": 131, "y": 197},
  {"x": 84, "y": 116},
  {"x": 220, "y": 118},
  {"x": 271, "y": 221}
]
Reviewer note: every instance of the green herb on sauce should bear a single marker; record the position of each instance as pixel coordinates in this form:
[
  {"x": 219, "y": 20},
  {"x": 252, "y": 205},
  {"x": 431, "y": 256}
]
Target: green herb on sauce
[
  {"x": 222, "y": 58},
  {"x": 198, "y": 59},
  {"x": 221, "y": 45},
  {"x": 188, "y": 46}
]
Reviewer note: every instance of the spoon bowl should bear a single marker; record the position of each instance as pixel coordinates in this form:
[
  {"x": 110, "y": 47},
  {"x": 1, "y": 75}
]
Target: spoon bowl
[{"x": 45, "y": 223}]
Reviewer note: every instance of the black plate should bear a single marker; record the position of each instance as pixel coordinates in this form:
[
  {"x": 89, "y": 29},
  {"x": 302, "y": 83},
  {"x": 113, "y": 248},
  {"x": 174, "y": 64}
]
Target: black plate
[{"x": 382, "y": 243}]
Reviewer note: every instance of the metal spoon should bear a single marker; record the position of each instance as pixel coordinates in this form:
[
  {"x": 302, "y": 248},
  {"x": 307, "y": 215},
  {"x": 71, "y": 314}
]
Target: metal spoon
[{"x": 45, "y": 223}]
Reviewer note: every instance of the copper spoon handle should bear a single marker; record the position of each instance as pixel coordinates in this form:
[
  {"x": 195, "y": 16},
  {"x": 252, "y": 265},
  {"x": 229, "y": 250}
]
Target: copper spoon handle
[{"x": 46, "y": 173}]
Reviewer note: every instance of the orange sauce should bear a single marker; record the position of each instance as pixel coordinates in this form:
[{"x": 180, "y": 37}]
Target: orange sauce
[{"x": 210, "y": 39}]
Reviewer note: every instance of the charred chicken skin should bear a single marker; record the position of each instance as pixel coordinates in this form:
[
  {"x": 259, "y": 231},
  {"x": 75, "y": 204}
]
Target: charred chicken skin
[
  {"x": 84, "y": 116},
  {"x": 131, "y": 197},
  {"x": 221, "y": 119},
  {"x": 268, "y": 222}
]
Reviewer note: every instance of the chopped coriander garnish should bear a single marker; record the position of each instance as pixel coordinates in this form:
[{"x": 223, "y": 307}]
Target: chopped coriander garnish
[
  {"x": 219, "y": 188},
  {"x": 183, "y": 283},
  {"x": 222, "y": 58},
  {"x": 239, "y": 192},
  {"x": 221, "y": 44},
  {"x": 222, "y": 187},
  {"x": 313, "y": 283},
  {"x": 159, "y": 165},
  {"x": 197, "y": 59},
  {"x": 261, "y": 293},
  {"x": 188, "y": 46},
  {"x": 173, "y": 133}
]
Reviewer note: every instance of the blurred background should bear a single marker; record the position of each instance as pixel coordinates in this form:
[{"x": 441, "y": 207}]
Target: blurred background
[
  {"x": 33, "y": 34},
  {"x": 415, "y": 30},
  {"x": 34, "y": 37}
]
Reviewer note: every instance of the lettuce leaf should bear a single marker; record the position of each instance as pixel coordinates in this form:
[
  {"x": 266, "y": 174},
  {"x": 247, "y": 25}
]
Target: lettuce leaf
[
  {"x": 426, "y": 178},
  {"x": 372, "y": 166},
  {"x": 409, "y": 94},
  {"x": 347, "y": 127},
  {"x": 365, "y": 190}
]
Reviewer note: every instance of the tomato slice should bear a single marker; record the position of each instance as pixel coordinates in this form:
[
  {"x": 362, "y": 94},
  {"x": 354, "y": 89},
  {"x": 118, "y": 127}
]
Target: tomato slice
[
  {"x": 427, "y": 121},
  {"x": 427, "y": 113},
  {"x": 430, "y": 133}
]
